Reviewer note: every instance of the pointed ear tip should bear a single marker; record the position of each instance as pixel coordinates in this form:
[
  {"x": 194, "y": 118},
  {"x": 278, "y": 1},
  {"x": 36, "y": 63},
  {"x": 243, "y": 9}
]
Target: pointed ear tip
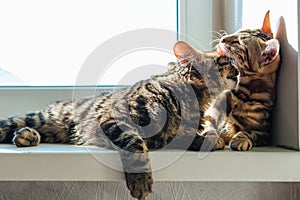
[
  {"x": 266, "y": 24},
  {"x": 267, "y": 15}
]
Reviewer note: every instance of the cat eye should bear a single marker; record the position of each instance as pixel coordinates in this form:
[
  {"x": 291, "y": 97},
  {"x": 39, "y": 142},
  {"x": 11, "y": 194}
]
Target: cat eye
[{"x": 227, "y": 38}]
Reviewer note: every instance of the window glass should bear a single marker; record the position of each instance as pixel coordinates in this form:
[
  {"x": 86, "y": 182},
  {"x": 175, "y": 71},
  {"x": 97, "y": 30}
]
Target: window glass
[
  {"x": 46, "y": 42},
  {"x": 254, "y": 10}
]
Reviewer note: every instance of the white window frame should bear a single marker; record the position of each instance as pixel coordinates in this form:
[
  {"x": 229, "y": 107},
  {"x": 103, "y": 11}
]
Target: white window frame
[{"x": 214, "y": 16}]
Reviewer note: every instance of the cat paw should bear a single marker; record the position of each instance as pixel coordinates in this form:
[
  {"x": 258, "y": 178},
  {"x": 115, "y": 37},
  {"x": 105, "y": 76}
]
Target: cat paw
[
  {"x": 211, "y": 132},
  {"x": 26, "y": 137},
  {"x": 139, "y": 184},
  {"x": 212, "y": 141},
  {"x": 240, "y": 142},
  {"x": 220, "y": 144}
]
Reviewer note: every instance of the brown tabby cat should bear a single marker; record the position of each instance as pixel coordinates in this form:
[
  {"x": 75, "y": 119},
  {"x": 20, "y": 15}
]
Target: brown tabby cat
[
  {"x": 243, "y": 115},
  {"x": 166, "y": 111}
]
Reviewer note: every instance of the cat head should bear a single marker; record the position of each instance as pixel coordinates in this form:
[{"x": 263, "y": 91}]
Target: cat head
[
  {"x": 208, "y": 64},
  {"x": 252, "y": 50}
]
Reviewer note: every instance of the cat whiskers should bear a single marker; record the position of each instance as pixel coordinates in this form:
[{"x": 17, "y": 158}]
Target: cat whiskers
[
  {"x": 217, "y": 35},
  {"x": 215, "y": 42}
]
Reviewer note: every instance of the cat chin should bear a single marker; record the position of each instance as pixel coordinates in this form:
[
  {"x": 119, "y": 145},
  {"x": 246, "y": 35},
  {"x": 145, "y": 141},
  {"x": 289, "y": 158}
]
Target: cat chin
[{"x": 221, "y": 50}]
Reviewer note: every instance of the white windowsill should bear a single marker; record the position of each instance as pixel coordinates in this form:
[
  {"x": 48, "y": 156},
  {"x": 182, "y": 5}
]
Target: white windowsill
[{"x": 76, "y": 163}]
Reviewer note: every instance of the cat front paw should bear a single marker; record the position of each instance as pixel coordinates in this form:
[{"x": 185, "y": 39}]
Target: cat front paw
[
  {"x": 212, "y": 141},
  {"x": 241, "y": 142},
  {"x": 139, "y": 184},
  {"x": 26, "y": 137},
  {"x": 220, "y": 144}
]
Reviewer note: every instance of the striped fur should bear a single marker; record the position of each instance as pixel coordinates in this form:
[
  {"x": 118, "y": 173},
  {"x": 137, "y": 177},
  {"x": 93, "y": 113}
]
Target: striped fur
[
  {"x": 165, "y": 111},
  {"x": 242, "y": 116}
]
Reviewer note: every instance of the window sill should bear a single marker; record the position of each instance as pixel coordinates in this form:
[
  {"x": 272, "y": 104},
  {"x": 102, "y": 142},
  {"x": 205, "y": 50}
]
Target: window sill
[{"x": 77, "y": 163}]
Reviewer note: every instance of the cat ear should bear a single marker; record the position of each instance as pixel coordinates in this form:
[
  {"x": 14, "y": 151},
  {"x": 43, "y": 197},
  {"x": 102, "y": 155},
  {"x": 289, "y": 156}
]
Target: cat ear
[
  {"x": 271, "y": 52},
  {"x": 184, "y": 52},
  {"x": 266, "y": 28}
]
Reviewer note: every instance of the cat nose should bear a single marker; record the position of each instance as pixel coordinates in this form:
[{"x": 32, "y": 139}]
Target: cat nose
[{"x": 222, "y": 40}]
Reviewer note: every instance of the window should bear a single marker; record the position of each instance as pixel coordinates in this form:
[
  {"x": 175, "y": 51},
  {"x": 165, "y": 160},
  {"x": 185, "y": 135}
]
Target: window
[
  {"x": 198, "y": 20},
  {"x": 277, "y": 8},
  {"x": 45, "y": 43}
]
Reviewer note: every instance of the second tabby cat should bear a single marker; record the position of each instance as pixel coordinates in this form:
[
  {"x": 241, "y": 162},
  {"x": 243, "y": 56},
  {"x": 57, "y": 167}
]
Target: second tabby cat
[{"x": 242, "y": 116}]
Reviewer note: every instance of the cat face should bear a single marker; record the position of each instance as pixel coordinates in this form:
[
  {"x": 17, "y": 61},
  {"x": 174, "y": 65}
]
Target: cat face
[{"x": 252, "y": 50}]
